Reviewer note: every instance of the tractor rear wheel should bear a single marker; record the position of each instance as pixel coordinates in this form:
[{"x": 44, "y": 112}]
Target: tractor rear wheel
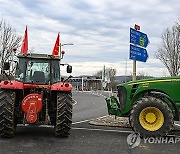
[
  {"x": 150, "y": 116},
  {"x": 7, "y": 117},
  {"x": 63, "y": 114}
]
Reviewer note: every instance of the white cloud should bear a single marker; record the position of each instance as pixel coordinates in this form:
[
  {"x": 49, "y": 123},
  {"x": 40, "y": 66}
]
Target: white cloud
[
  {"x": 152, "y": 68},
  {"x": 99, "y": 29}
]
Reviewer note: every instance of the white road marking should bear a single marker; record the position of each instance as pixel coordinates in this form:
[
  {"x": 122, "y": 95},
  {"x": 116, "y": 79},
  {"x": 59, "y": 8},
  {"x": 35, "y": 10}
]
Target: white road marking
[
  {"x": 88, "y": 129},
  {"x": 173, "y": 136},
  {"x": 92, "y": 93},
  {"x": 78, "y": 122},
  {"x": 48, "y": 126},
  {"x": 104, "y": 130},
  {"x": 75, "y": 102},
  {"x": 175, "y": 124}
]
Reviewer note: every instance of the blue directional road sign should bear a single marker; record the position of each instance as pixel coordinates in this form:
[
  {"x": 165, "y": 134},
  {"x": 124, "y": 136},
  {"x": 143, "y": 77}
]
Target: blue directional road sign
[
  {"x": 138, "y": 38},
  {"x": 137, "y": 53}
]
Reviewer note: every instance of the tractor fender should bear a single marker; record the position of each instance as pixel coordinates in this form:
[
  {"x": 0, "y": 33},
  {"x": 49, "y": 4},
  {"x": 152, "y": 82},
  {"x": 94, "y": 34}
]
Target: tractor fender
[
  {"x": 160, "y": 94},
  {"x": 11, "y": 84},
  {"x": 60, "y": 86}
]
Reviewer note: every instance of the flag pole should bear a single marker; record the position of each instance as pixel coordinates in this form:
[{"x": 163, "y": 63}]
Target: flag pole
[{"x": 59, "y": 46}]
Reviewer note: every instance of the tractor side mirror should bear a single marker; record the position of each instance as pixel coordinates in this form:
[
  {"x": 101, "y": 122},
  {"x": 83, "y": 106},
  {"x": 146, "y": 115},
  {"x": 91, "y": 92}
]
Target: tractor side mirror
[
  {"x": 69, "y": 69},
  {"x": 6, "y": 66}
]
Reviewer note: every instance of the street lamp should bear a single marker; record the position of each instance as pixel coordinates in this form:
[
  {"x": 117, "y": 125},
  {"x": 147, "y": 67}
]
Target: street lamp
[
  {"x": 62, "y": 52},
  {"x": 67, "y": 44}
]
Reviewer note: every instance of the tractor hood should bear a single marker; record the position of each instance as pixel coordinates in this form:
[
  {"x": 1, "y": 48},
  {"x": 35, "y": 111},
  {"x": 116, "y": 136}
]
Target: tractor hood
[{"x": 152, "y": 80}]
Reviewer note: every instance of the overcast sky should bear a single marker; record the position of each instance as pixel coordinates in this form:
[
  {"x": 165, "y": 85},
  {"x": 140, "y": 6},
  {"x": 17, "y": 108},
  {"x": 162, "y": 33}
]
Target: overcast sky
[{"x": 99, "y": 30}]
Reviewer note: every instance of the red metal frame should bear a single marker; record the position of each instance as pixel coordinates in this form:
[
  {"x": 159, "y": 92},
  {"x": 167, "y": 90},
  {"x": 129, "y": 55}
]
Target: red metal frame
[
  {"x": 59, "y": 86},
  {"x": 7, "y": 84}
]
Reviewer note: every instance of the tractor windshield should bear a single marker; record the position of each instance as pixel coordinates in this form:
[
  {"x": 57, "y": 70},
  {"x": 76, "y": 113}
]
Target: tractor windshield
[{"x": 38, "y": 72}]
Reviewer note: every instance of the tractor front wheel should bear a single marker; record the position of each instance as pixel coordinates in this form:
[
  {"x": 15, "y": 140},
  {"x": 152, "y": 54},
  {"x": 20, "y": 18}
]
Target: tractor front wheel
[
  {"x": 151, "y": 117},
  {"x": 63, "y": 114},
  {"x": 7, "y": 117}
]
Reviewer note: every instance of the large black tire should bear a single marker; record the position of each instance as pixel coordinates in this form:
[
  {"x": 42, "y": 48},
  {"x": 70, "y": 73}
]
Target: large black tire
[
  {"x": 63, "y": 114},
  {"x": 151, "y": 117},
  {"x": 7, "y": 117}
]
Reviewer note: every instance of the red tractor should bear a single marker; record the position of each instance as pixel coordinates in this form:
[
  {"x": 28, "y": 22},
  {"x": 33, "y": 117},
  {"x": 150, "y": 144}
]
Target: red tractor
[{"x": 37, "y": 96}]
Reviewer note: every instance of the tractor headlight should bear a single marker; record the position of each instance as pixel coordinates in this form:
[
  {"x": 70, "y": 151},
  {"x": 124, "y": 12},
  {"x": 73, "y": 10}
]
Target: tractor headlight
[{"x": 122, "y": 93}]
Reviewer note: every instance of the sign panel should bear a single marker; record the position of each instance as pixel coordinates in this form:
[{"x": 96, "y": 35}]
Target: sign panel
[
  {"x": 138, "y": 38},
  {"x": 105, "y": 75},
  {"x": 137, "y": 53}
]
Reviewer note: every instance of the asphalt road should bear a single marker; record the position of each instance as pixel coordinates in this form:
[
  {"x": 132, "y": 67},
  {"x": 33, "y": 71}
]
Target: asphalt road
[
  {"x": 89, "y": 106},
  {"x": 84, "y": 138}
]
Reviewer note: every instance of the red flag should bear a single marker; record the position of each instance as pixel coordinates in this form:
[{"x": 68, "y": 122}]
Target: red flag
[
  {"x": 55, "y": 51},
  {"x": 24, "y": 48}
]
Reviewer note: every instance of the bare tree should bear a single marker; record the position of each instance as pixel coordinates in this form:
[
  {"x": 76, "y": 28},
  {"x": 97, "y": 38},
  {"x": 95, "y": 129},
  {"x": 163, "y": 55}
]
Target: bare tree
[
  {"x": 98, "y": 74},
  {"x": 169, "y": 52},
  {"x": 112, "y": 74},
  {"x": 8, "y": 41}
]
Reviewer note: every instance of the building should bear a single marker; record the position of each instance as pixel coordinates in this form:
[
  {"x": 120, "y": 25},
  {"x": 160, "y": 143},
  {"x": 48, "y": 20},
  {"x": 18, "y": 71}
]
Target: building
[{"x": 86, "y": 83}]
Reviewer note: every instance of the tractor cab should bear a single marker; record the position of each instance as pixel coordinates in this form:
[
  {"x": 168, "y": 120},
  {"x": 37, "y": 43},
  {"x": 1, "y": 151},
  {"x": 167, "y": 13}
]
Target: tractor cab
[{"x": 39, "y": 69}]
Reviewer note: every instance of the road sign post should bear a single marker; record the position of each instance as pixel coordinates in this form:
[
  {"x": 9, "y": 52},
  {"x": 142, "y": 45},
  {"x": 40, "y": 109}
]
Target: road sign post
[
  {"x": 134, "y": 70},
  {"x": 137, "y": 50}
]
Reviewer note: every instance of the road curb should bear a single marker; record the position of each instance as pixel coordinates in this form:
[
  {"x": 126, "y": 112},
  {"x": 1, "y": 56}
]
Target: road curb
[{"x": 110, "y": 120}]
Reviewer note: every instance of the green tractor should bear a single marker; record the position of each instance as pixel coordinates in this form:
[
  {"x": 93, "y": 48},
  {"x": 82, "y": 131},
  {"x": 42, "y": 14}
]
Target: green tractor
[{"x": 152, "y": 105}]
